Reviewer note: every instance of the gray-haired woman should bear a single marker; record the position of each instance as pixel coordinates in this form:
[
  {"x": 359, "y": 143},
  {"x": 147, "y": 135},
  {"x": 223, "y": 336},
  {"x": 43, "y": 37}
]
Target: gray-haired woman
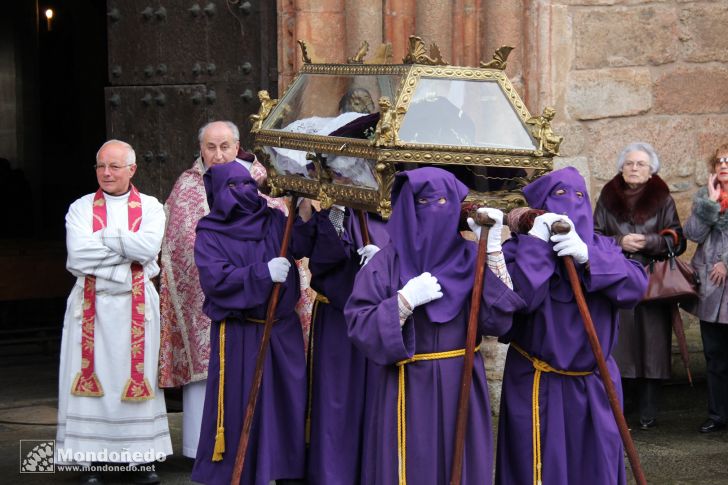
[
  {"x": 633, "y": 208},
  {"x": 708, "y": 226}
]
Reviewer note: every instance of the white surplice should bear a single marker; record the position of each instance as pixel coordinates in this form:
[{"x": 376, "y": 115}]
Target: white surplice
[{"x": 107, "y": 428}]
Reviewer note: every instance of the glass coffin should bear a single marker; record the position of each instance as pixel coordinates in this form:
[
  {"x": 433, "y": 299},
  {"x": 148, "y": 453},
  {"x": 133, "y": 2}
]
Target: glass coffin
[{"x": 341, "y": 131}]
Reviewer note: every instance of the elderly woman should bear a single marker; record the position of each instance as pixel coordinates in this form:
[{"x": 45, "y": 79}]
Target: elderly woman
[
  {"x": 633, "y": 208},
  {"x": 708, "y": 226}
]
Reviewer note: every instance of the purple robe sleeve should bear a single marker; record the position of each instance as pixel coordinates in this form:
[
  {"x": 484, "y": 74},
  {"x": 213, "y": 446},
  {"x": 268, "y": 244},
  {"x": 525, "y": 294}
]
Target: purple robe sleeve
[
  {"x": 531, "y": 262},
  {"x": 497, "y": 306},
  {"x": 230, "y": 287},
  {"x": 333, "y": 263},
  {"x": 331, "y": 250},
  {"x": 372, "y": 314},
  {"x": 621, "y": 280},
  {"x": 303, "y": 238}
]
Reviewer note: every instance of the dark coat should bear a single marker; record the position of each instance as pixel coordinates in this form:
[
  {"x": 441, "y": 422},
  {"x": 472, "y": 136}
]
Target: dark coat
[{"x": 643, "y": 349}]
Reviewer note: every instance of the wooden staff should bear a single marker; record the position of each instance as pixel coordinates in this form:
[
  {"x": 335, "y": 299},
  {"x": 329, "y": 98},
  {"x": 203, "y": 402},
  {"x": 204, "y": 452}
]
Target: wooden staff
[
  {"x": 562, "y": 227},
  {"x": 467, "y": 375},
  {"x": 364, "y": 227},
  {"x": 262, "y": 351}
]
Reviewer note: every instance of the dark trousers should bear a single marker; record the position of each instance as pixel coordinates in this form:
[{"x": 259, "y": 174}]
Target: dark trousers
[
  {"x": 715, "y": 349},
  {"x": 649, "y": 398},
  {"x": 645, "y": 393}
]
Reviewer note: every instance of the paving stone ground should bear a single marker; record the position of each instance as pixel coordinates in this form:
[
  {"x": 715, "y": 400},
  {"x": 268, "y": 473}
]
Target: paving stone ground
[{"x": 673, "y": 453}]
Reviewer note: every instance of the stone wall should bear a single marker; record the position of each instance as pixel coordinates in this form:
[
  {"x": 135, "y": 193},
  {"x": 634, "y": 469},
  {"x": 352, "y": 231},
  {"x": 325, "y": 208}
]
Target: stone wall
[{"x": 636, "y": 70}]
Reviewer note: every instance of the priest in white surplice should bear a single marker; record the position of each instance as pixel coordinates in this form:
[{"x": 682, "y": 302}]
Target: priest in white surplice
[{"x": 110, "y": 408}]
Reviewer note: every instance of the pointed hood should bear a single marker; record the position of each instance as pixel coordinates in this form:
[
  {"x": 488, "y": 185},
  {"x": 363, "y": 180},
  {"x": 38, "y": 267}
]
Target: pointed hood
[{"x": 424, "y": 231}]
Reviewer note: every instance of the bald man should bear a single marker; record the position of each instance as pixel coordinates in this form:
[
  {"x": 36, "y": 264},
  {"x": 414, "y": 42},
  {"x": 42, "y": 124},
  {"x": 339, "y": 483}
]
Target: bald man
[
  {"x": 109, "y": 406},
  {"x": 185, "y": 340}
]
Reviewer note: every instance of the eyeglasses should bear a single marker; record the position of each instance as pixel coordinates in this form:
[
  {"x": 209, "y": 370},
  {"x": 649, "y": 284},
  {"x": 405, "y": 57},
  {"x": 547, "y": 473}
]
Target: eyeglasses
[
  {"x": 639, "y": 164},
  {"x": 101, "y": 167},
  {"x": 721, "y": 160}
]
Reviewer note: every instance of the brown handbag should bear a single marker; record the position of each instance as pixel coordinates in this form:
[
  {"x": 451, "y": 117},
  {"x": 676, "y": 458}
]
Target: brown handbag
[{"x": 671, "y": 278}]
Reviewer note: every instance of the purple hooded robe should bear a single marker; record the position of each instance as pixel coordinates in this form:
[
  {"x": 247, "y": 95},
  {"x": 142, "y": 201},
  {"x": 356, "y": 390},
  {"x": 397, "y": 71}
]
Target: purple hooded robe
[
  {"x": 579, "y": 439},
  {"x": 337, "y": 369},
  {"x": 425, "y": 237},
  {"x": 233, "y": 246}
]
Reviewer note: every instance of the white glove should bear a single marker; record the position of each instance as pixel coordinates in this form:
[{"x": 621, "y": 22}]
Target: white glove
[
  {"x": 366, "y": 253},
  {"x": 570, "y": 244},
  {"x": 420, "y": 290},
  {"x": 278, "y": 268},
  {"x": 542, "y": 225},
  {"x": 494, "y": 236}
]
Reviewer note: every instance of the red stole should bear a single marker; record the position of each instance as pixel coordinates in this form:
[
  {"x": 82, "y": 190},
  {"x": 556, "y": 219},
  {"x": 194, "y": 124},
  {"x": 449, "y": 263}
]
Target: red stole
[{"x": 86, "y": 382}]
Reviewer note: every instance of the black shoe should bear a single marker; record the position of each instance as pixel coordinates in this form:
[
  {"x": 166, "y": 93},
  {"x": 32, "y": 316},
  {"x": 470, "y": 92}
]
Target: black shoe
[
  {"x": 711, "y": 425},
  {"x": 648, "y": 423},
  {"x": 90, "y": 478},
  {"x": 144, "y": 478}
]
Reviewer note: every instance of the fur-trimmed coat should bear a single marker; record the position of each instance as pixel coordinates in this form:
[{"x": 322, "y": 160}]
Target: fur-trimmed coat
[
  {"x": 644, "y": 345},
  {"x": 709, "y": 228},
  {"x": 654, "y": 211}
]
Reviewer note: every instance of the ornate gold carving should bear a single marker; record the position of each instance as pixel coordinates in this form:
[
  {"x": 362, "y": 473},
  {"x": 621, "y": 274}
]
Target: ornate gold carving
[
  {"x": 418, "y": 54},
  {"x": 307, "y": 187},
  {"x": 323, "y": 197},
  {"x": 354, "y": 69},
  {"x": 275, "y": 190},
  {"x": 526, "y": 159},
  {"x": 306, "y": 53},
  {"x": 503, "y": 200},
  {"x": 499, "y": 58},
  {"x": 541, "y": 130},
  {"x": 266, "y": 105},
  {"x": 384, "y": 174},
  {"x": 388, "y": 125},
  {"x": 358, "y": 58},
  {"x": 383, "y": 54}
]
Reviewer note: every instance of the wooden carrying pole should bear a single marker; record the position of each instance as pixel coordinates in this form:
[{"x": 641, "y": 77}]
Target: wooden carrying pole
[
  {"x": 562, "y": 227},
  {"x": 467, "y": 375},
  {"x": 364, "y": 227},
  {"x": 262, "y": 351}
]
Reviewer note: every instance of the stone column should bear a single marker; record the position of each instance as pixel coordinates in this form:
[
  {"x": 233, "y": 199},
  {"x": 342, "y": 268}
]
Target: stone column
[
  {"x": 321, "y": 23},
  {"x": 364, "y": 21},
  {"x": 399, "y": 24},
  {"x": 503, "y": 25},
  {"x": 287, "y": 47},
  {"x": 433, "y": 22},
  {"x": 535, "y": 58}
]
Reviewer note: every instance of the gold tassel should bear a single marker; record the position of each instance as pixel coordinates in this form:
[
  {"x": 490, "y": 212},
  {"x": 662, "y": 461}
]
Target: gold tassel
[
  {"x": 220, "y": 435},
  {"x": 219, "y": 444}
]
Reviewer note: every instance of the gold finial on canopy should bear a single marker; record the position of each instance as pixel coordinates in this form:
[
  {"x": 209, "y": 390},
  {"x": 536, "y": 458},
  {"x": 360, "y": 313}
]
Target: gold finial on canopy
[
  {"x": 358, "y": 58},
  {"x": 499, "y": 58},
  {"x": 418, "y": 54}
]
